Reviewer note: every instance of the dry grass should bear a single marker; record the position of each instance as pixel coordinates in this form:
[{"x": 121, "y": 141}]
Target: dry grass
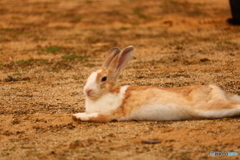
[{"x": 48, "y": 48}]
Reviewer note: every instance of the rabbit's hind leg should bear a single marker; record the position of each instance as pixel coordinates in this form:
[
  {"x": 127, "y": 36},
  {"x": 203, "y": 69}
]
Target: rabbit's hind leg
[
  {"x": 220, "y": 109},
  {"x": 233, "y": 98}
]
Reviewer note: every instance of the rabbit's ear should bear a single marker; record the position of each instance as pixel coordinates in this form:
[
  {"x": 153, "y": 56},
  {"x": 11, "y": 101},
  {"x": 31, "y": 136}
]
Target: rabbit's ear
[
  {"x": 109, "y": 56},
  {"x": 120, "y": 61}
]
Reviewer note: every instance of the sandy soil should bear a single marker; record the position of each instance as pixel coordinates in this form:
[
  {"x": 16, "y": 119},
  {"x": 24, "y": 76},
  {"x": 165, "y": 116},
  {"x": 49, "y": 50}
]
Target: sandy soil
[{"x": 49, "y": 47}]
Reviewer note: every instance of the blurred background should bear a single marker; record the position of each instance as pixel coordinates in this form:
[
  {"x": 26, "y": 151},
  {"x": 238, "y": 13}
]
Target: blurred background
[
  {"x": 49, "y": 47},
  {"x": 43, "y": 29}
]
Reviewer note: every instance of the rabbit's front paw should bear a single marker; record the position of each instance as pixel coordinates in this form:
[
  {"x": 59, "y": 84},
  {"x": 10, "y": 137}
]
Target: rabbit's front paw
[{"x": 83, "y": 116}]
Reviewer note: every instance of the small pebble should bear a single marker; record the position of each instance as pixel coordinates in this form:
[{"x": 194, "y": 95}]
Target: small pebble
[
  {"x": 9, "y": 79},
  {"x": 150, "y": 141}
]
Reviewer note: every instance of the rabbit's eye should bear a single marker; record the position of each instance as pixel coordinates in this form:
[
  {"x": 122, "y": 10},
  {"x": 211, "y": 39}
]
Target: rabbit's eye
[{"x": 104, "y": 79}]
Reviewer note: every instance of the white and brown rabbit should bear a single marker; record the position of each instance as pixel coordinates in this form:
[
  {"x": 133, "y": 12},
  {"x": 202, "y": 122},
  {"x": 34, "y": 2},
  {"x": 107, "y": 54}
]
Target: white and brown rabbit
[{"x": 106, "y": 101}]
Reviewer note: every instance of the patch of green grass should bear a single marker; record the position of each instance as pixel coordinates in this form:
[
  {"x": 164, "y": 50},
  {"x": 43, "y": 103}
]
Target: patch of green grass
[
  {"x": 73, "y": 57},
  {"x": 6, "y": 29},
  {"x": 62, "y": 27},
  {"x": 43, "y": 61},
  {"x": 89, "y": 1},
  {"x": 69, "y": 57},
  {"x": 76, "y": 19},
  {"x": 17, "y": 74},
  {"x": 140, "y": 14},
  {"x": 31, "y": 61},
  {"x": 9, "y": 149},
  {"x": 111, "y": 148},
  {"x": 227, "y": 42},
  {"x": 24, "y": 61},
  {"x": 93, "y": 39},
  {"x": 89, "y": 65},
  {"x": 76, "y": 79},
  {"x": 184, "y": 8},
  {"x": 15, "y": 34},
  {"x": 81, "y": 152},
  {"x": 52, "y": 49},
  {"x": 124, "y": 28},
  {"x": 173, "y": 2},
  {"x": 55, "y": 70}
]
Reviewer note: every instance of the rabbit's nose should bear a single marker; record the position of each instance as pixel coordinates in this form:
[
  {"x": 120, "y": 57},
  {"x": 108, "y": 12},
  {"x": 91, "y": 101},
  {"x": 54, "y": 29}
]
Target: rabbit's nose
[{"x": 88, "y": 91}]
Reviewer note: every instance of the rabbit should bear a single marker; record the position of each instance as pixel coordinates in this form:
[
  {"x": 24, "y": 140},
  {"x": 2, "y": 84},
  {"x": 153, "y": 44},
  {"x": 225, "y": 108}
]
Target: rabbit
[{"x": 107, "y": 101}]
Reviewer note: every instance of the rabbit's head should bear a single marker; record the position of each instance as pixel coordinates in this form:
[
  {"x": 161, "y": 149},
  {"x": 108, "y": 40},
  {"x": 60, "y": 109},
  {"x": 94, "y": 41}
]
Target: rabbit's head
[{"x": 104, "y": 80}]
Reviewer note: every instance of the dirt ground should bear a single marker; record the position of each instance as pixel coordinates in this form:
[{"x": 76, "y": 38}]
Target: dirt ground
[{"x": 49, "y": 47}]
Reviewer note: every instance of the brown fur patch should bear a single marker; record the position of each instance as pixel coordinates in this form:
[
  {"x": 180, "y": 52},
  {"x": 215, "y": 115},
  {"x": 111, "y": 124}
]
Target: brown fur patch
[
  {"x": 75, "y": 118},
  {"x": 129, "y": 100},
  {"x": 100, "y": 75},
  {"x": 100, "y": 118},
  {"x": 186, "y": 92},
  {"x": 115, "y": 90},
  {"x": 189, "y": 92},
  {"x": 110, "y": 84}
]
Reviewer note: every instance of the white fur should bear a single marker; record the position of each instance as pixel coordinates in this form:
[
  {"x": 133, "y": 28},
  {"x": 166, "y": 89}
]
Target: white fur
[
  {"x": 219, "y": 113},
  {"x": 174, "y": 112},
  {"x": 234, "y": 98},
  {"x": 158, "y": 112},
  {"x": 85, "y": 116},
  {"x": 106, "y": 103},
  {"x": 91, "y": 82}
]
